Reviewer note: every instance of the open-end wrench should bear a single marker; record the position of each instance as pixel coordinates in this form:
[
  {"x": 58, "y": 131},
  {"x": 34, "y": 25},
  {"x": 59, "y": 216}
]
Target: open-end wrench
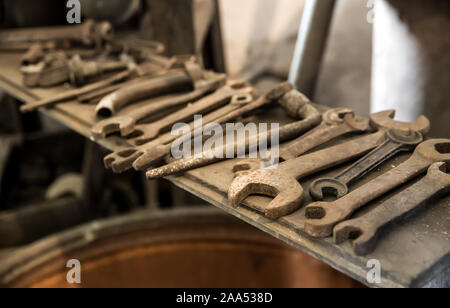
[
  {"x": 282, "y": 182},
  {"x": 365, "y": 230},
  {"x": 234, "y": 92},
  {"x": 296, "y": 104},
  {"x": 402, "y": 137},
  {"x": 323, "y": 216},
  {"x": 174, "y": 80},
  {"x": 144, "y": 156},
  {"x": 125, "y": 124},
  {"x": 336, "y": 122},
  {"x": 123, "y": 160}
]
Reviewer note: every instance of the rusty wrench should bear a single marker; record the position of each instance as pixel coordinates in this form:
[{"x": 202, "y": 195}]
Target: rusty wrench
[
  {"x": 144, "y": 156},
  {"x": 366, "y": 229},
  {"x": 125, "y": 124},
  {"x": 170, "y": 81},
  {"x": 123, "y": 160},
  {"x": 336, "y": 122},
  {"x": 234, "y": 92},
  {"x": 402, "y": 137},
  {"x": 323, "y": 216},
  {"x": 282, "y": 182},
  {"x": 296, "y": 105}
]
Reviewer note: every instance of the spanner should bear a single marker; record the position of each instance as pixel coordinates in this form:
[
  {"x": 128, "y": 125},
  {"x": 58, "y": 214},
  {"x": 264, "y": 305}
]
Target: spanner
[
  {"x": 296, "y": 104},
  {"x": 173, "y": 80},
  {"x": 123, "y": 160},
  {"x": 145, "y": 155},
  {"x": 323, "y": 216},
  {"x": 336, "y": 122},
  {"x": 402, "y": 137},
  {"x": 366, "y": 230},
  {"x": 125, "y": 124},
  {"x": 235, "y": 92},
  {"x": 282, "y": 182}
]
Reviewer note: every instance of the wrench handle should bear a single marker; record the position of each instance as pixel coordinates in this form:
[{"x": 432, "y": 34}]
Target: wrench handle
[
  {"x": 372, "y": 160},
  {"x": 148, "y": 110},
  {"x": 381, "y": 185},
  {"x": 322, "y": 160},
  {"x": 320, "y": 135}
]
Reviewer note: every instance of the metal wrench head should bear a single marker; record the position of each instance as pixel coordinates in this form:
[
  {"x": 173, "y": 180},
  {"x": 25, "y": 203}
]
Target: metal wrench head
[
  {"x": 328, "y": 187},
  {"x": 340, "y": 115},
  {"x": 364, "y": 236},
  {"x": 150, "y": 157},
  {"x": 124, "y": 125},
  {"x": 385, "y": 120},
  {"x": 322, "y": 216},
  {"x": 270, "y": 182},
  {"x": 122, "y": 160}
]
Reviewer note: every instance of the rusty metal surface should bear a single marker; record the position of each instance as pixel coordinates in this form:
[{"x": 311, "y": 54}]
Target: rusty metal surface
[
  {"x": 364, "y": 231},
  {"x": 324, "y": 216},
  {"x": 198, "y": 247}
]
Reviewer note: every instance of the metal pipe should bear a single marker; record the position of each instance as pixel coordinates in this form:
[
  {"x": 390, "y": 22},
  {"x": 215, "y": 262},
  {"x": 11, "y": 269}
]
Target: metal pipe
[{"x": 311, "y": 43}]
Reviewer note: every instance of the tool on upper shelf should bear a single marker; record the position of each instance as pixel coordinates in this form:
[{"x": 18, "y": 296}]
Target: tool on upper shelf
[
  {"x": 324, "y": 216},
  {"x": 168, "y": 82},
  {"x": 143, "y": 70},
  {"x": 89, "y": 33},
  {"x": 126, "y": 124}
]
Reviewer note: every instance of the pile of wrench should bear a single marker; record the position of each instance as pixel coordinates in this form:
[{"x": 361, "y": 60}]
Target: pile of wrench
[
  {"x": 181, "y": 86},
  {"x": 222, "y": 101}
]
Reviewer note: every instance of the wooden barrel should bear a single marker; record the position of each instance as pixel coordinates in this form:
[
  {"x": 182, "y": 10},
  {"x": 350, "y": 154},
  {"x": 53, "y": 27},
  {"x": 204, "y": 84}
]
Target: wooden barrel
[{"x": 199, "y": 247}]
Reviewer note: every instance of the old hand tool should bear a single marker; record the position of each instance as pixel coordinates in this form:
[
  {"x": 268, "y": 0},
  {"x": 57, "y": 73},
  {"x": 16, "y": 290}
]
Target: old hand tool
[
  {"x": 402, "y": 137},
  {"x": 88, "y": 33},
  {"x": 174, "y": 80},
  {"x": 144, "y": 156},
  {"x": 323, "y": 216},
  {"x": 125, "y": 124},
  {"x": 365, "y": 230},
  {"x": 81, "y": 72},
  {"x": 141, "y": 70},
  {"x": 51, "y": 71},
  {"x": 123, "y": 160},
  {"x": 234, "y": 92},
  {"x": 293, "y": 101},
  {"x": 336, "y": 123},
  {"x": 282, "y": 181}
]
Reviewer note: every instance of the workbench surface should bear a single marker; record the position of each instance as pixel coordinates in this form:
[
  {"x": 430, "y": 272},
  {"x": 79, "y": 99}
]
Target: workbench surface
[{"x": 415, "y": 253}]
